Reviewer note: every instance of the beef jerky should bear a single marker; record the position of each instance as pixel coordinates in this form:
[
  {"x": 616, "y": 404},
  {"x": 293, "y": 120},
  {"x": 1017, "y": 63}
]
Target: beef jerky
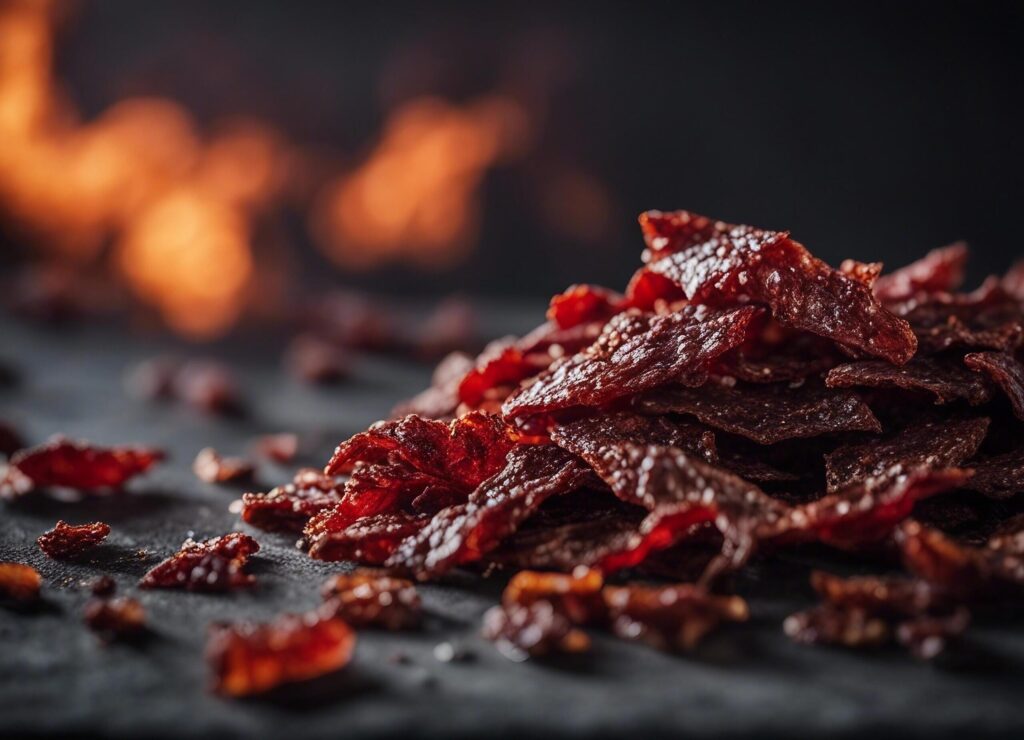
[
  {"x": 830, "y": 625},
  {"x": 863, "y": 272},
  {"x": 582, "y": 304},
  {"x": 465, "y": 532},
  {"x": 932, "y": 444},
  {"x": 122, "y": 619},
  {"x": 577, "y": 595},
  {"x": 766, "y": 414},
  {"x": 939, "y": 271},
  {"x": 69, "y": 540},
  {"x": 946, "y": 379},
  {"x": 535, "y": 630},
  {"x": 370, "y": 540},
  {"x": 635, "y": 353},
  {"x": 888, "y": 596},
  {"x": 19, "y": 583},
  {"x": 440, "y": 400},
  {"x": 738, "y": 262},
  {"x": 999, "y": 476},
  {"x": 1013, "y": 281},
  {"x": 289, "y": 507},
  {"x": 501, "y": 363},
  {"x": 795, "y": 357},
  {"x": 367, "y": 599},
  {"x": 667, "y": 232},
  {"x": 1006, "y": 371},
  {"x": 214, "y": 565}
]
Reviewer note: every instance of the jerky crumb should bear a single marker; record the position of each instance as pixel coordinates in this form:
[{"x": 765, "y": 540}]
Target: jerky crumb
[{"x": 116, "y": 619}]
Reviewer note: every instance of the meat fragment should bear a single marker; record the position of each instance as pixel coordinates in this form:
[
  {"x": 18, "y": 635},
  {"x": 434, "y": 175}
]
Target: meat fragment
[
  {"x": 441, "y": 399},
  {"x": 280, "y": 448},
  {"x": 532, "y": 631},
  {"x": 248, "y": 659},
  {"x": 939, "y": 271},
  {"x": 581, "y": 304},
  {"x": 70, "y": 540},
  {"x": 19, "y": 583},
  {"x": 289, "y": 507},
  {"x": 947, "y": 380},
  {"x": 999, "y": 476},
  {"x": 120, "y": 619},
  {"x": 766, "y": 414},
  {"x": 210, "y": 467},
  {"x": 1006, "y": 371},
  {"x": 334, "y": 535},
  {"x": 214, "y": 565},
  {"x": 368, "y": 599}
]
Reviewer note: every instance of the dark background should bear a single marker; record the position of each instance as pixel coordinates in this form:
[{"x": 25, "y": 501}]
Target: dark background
[{"x": 874, "y": 130}]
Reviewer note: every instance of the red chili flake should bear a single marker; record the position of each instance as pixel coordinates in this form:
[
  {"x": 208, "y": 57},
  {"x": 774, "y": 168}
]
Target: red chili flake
[
  {"x": 999, "y": 476},
  {"x": 210, "y": 467},
  {"x": 767, "y": 414},
  {"x": 535, "y": 630},
  {"x": 10, "y": 440},
  {"x": 1006, "y": 371},
  {"x": 209, "y": 386},
  {"x": 441, "y": 399},
  {"x": 289, "y": 507},
  {"x": 801, "y": 290},
  {"x": 280, "y": 448},
  {"x": 582, "y": 304},
  {"x": 635, "y": 353},
  {"x": 934, "y": 444},
  {"x": 79, "y": 465},
  {"x": 68, "y": 540},
  {"x": 939, "y": 271},
  {"x": 248, "y": 659},
  {"x": 334, "y": 535},
  {"x": 123, "y": 618},
  {"x": 465, "y": 532},
  {"x": 450, "y": 327},
  {"x": 214, "y": 565},
  {"x": 311, "y": 359},
  {"x": 19, "y": 582},
  {"x": 368, "y": 599},
  {"x": 670, "y": 617},
  {"x": 945, "y": 378}
]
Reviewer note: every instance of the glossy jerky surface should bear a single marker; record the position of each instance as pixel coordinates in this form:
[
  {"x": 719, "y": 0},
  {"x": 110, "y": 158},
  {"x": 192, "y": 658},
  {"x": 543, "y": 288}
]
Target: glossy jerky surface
[
  {"x": 947, "y": 379},
  {"x": 216, "y": 564},
  {"x": 68, "y": 540},
  {"x": 1006, "y": 371}
]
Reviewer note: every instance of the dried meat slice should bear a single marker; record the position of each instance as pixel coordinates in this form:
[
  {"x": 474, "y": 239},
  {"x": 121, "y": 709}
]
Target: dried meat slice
[
  {"x": 766, "y": 414},
  {"x": 536, "y": 630},
  {"x": 502, "y": 363},
  {"x": 737, "y": 262},
  {"x": 465, "y": 532},
  {"x": 1013, "y": 281},
  {"x": 1006, "y": 371},
  {"x": 796, "y": 356},
  {"x": 944, "y": 378},
  {"x": 365, "y": 598},
  {"x": 583, "y": 304},
  {"x": 218, "y": 564},
  {"x": 932, "y": 444},
  {"x": 370, "y": 540},
  {"x": 667, "y": 232},
  {"x": 289, "y": 507},
  {"x": 69, "y": 540},
  {"x": 939, "y": 271},
  {"x": 999, "y": 476},
  {"x": 636, "y": 352}
]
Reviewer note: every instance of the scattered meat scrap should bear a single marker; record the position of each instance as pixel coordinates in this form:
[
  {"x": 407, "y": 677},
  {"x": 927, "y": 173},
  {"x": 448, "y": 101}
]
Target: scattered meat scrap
[
  {"x": 217, "y": 564},
  {"x": 368, "y": 599},
  {"x": 19, "y": 583},
  {"x": 210, "y": 467},
  {"x": 120, "y": 619},
  {"x": 69, "y": 540}
]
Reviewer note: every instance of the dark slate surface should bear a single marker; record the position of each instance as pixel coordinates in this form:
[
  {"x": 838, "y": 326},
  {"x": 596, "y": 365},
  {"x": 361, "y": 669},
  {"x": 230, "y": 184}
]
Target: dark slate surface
[{"x": 56, "y": 677}]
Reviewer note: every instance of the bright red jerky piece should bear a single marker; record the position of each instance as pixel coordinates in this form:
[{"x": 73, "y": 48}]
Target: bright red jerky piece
[
  {"x": 368, "y": 599},
  {"x": 634, "y": 353},
  {"x": 334, "y": 535},
  {"x": 290, "y": 506},
  {"x": 939, "y": 271},
  {"x": 441, "y": 399},
  {"x": 214, "y": 565},
  {"x": 248, "y": 659},
  {"x": 465, "y": 532},
  {"x": 79, "y": 465},
  {"x": 115, "y": 619},
  {"x": 945, "y": 378},
  {"x": 19, "y": 582},
  {"x": 1006, "y": 371},
  {"x": 801, "y": 290},
  {"x": 210, "y": 467},
  {"x": 767, "y": 414},
  {"x": 501, "y": 363},
  {"x": 581, "y": 304},
  {"x": 67, "y": 540},
  {"x": 933, "y": 444}
]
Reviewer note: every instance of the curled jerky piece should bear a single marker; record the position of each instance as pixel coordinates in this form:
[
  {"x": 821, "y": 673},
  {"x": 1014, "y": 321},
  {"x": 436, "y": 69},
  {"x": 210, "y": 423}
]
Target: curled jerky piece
[
  {"x": 333, "y": 535},
  {"x": 64, "y": 463},
  {"x": 214, "y": 565},
  {"x": 289, "y": 507},
  {"x": 634, "y": 353},
  {"x": 768, "y": 267},
  {"x": 947, "y": 379},
  {"x": 19, "y": 582},
  {"x": 939, "y": 271},
  {"x": 440, "y": 400},
  {"x": 1007, "y": 372},
  {"x": 766, "y": 414},
  {"x": 465, "y": 532},
  {"x": 999, "y": 476},
  {"x": 963, "y": 571},
  {"x": 934, "y": 444},
  {"x": 68, "y": 540},
  {"x": 582, "y": 304},
  {"x": 670, "y": 617},
  {"x": 534, "y": 630},
  {"x": 368, "y": 599},
  {"x": 248, "y": 659}
]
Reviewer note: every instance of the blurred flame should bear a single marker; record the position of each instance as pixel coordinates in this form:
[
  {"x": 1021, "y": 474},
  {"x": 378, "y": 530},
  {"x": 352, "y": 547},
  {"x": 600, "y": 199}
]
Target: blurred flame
[{"x": 415, "y": 196}]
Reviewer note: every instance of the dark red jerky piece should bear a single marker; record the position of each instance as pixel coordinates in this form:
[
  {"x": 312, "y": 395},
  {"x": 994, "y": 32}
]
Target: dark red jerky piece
[
  {"x": 551, "y": 341},
  {"x": 987, "y": 318},
  {"x": 536, "y": 630},
  {"x": 666, "y": 232},
  {"x": 210, "y": 467},
  {"x": 797, "y": 357},
  {"x": 766, "y": 414},
  {"x": 604, "y": 442},
  {"x": 1006, "y": 371},
  {"x": 999, "y": 476},
  {"x": 214, "y": 565},
  {"x": 577, "y": 595},
  {"x": 939, "y": 271},
  {"x": 369, "y": 599},
  {"x": 464, "y": 533},
  {"x": 931, "y": 444},
  {"x": 69, "y": 540},
  {"x": 566, "y": 546},
  {"x": 670, "y": 617},
  {"x": 1013, "y": 280},
  {"x": 926, "y": 637},
  {"x": 945, "y": 378},
  {"x": 582, "y": 304},
  {"x": 864, "y": 272},
  {"x": 883, "y": 595},
  {"x": 1008, "y": 537},
  {"x": 635, "y": 353},
  {"x": 501, "y": 363},
  {"x": 122, "y": 619},
  {"x": 801, "y": 290},
  {"x": 289, "y": 507},
  {"x": 440, "y": 400},
  {"x": 370, "y": 540},
  {"x": 961, "y": 570},
  {"x": 79, "y": 465}
]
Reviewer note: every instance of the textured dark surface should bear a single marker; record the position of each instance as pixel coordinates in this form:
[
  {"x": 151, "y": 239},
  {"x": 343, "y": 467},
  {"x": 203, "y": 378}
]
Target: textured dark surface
[{"x": 55, "y": 676}]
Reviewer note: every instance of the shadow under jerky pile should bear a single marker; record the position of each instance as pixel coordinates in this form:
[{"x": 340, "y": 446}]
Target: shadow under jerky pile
[{"x": 740, "y": 396}]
